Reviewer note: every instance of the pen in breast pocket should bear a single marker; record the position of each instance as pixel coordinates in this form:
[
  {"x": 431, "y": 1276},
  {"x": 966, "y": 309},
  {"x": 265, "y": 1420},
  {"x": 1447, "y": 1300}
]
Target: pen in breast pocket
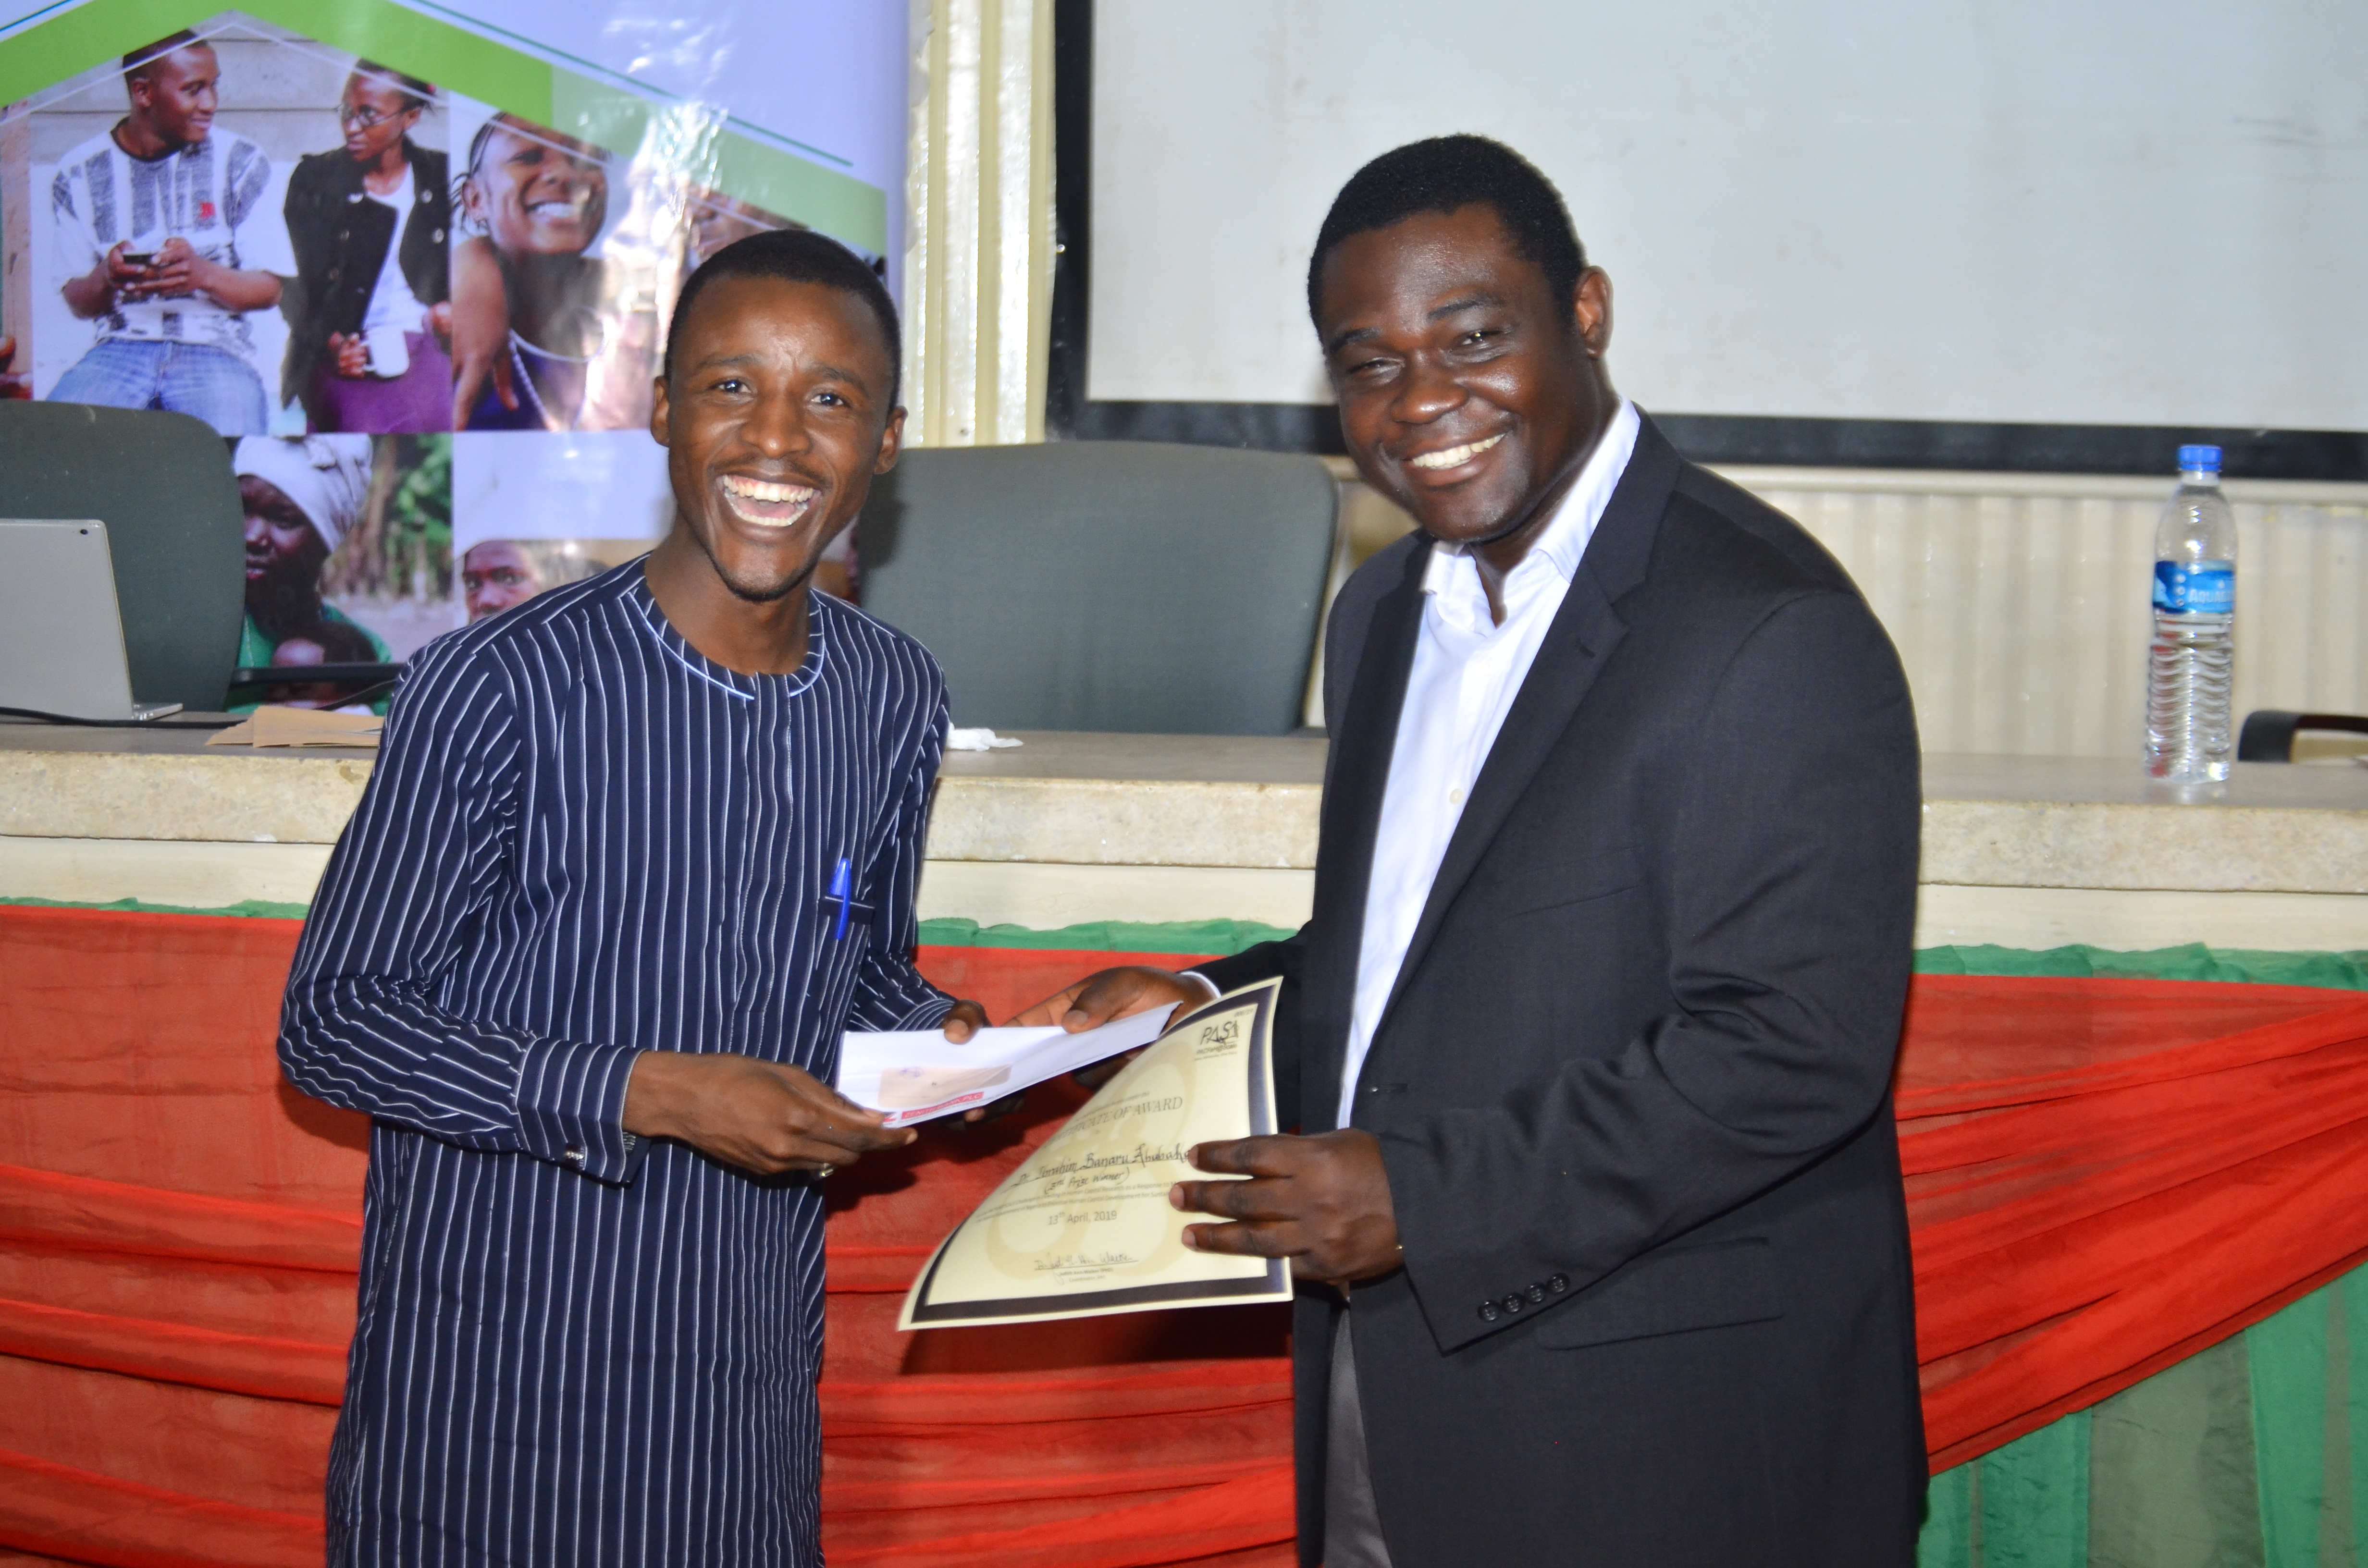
[{"x": 840, "y": 890}]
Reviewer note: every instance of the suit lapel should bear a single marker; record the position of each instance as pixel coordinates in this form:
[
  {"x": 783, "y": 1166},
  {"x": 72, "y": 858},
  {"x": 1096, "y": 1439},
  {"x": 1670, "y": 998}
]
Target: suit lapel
[
  {"x": 1357, "y": 778},
  {"x": 1584, "y": 631}
]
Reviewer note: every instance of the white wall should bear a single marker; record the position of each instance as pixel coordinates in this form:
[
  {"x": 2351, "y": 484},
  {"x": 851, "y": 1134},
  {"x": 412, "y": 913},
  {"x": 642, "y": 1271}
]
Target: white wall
[
  {"x": 2099, "y": 211},
  {"x": 2020, "y": 603}
]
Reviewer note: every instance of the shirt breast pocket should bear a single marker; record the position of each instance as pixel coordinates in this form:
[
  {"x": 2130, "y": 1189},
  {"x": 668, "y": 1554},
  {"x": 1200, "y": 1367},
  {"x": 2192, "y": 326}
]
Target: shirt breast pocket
[
  {"x": 846, "y": 917},
  {"x": 1581, "y": 879}
]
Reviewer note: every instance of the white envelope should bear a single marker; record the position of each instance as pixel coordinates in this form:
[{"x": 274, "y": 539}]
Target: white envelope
[{"x": 911, "y": 1075}]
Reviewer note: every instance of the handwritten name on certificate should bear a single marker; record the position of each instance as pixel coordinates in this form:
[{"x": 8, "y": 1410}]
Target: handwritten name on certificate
[{"x": 1083, "y": 1228}]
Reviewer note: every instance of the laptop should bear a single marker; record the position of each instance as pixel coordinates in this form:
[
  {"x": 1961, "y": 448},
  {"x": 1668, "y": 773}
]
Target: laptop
[{"x": 61, "y": 627}]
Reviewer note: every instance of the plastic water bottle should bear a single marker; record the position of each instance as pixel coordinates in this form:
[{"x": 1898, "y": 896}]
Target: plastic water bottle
[{"x": 2193, "y": 660}]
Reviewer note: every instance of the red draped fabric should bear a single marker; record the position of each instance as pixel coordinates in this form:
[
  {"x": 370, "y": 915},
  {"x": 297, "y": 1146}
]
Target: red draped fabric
[{"x": 2103, "y": 1176}]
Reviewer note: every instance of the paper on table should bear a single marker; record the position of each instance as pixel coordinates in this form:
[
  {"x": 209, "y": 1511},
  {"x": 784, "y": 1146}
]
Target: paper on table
[
  {"x": 978, "y": 740},
  {"x": 913, "y": 1076},
  {"x": 301, "y": 727}
]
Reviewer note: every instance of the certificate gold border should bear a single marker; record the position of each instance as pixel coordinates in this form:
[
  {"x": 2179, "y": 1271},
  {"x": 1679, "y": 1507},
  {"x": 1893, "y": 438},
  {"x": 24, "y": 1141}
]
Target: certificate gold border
[{"x": 1272, "y": 1284}]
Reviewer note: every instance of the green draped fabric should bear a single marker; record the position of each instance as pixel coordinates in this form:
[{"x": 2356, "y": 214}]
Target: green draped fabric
[
  {"x": 250, "y": 909},
  {"x": 2251, "y": 1454},
  {"x": 1197, "y": 937}
]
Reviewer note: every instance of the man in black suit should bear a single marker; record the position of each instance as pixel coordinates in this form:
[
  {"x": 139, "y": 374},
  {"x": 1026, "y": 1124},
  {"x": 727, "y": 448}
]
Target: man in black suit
[{"x": 1596, "y": 1186}]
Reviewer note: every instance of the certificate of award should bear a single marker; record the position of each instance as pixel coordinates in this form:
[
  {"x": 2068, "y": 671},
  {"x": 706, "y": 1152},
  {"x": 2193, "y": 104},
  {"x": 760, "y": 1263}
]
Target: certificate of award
[{"x": 1083, "y": 1228}]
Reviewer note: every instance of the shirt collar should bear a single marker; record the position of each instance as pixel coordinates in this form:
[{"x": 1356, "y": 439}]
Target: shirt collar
[{"x": 1560, "y": 548}]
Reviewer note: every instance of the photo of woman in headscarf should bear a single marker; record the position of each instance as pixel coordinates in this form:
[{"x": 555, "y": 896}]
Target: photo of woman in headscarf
[
  {"x": 547, "y": 335},
  {"x": 368, "y": 223},
  {"x": 302, "y": 498}
]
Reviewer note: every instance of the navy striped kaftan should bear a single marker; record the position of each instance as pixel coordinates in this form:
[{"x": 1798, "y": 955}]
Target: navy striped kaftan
[{"x": 583, "y": 840}]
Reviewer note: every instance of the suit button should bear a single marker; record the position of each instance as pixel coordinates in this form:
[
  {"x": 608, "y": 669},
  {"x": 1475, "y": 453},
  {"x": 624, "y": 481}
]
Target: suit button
[
  {"x": 1488, "y": 1312},
  {"x": 439, "y": 235},
  {"x": 1537, "y": 1294},
  {"x": 334, "y": 273},
  {"x": 1557, "y": 1283},
  {"x": 1512, "y": 1303},
  {"x": 345, "y": 233}
]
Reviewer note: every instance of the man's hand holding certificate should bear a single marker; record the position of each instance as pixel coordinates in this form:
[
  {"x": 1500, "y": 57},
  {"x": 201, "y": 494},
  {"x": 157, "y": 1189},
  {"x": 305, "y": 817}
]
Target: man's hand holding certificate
[{"x": 1085, "y": 1226}]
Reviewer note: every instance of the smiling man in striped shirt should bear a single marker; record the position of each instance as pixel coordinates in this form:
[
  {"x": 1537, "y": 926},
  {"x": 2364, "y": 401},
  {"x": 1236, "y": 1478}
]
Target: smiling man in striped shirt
[{"x": 635, "y": 854}]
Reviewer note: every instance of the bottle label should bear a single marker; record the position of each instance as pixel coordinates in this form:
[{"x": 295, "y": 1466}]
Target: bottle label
[{"x": 2208, "y": 587}]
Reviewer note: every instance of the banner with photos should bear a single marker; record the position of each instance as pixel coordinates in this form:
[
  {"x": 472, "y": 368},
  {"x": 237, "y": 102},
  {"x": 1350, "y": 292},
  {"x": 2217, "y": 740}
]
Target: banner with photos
[{"x": 416, "y": 264}]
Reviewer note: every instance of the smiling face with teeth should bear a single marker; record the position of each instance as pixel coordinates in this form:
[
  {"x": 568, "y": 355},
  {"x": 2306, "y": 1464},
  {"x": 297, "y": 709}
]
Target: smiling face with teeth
[
  {"x": 536, "y": 192},
  {"x": 1469, "y": 394},
  {"x": 775, "y": 418}
]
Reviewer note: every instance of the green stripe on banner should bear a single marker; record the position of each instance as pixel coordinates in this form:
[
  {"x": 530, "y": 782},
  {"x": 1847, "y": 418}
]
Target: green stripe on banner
[
  {"x": 1947, "y": 1540},
  {"x": 88, "y": 35},
  {"x": 2174, "y": 1478},
  {"x": 688, "y": 136},
  {"x": 606, "y": 114},
  {"x": 1223, "y": 937},
  {"x": 2349, "y": 1455},
  {"x": 247, "y": 909},
  {"x": 2034, "y": 1498},
  {"x": 453, "y": 58},
  {"x": 2286, "y": 1355},
  {"x": 2342, "y": 972},
  {"x": 104, "y": 30}
]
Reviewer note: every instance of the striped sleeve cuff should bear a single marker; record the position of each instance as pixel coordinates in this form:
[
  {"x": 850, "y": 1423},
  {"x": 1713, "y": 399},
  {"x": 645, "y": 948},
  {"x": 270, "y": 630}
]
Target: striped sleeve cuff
[
  {"x": 571, "y": 1108},
  {"x": 928, "y": 1015}
]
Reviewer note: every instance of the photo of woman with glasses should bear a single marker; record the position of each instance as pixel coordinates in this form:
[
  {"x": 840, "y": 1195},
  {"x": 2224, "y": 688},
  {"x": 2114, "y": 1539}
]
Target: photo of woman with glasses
[
  {"x": 548, "y": 332},
  {"x": 368, "y": 341}
]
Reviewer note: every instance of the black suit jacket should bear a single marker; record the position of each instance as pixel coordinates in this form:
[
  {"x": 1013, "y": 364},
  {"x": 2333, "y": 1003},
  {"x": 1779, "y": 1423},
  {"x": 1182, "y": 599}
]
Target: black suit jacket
[
  {"x": 340, "y": 238},
  {"x": 1633, "y": 1086}
]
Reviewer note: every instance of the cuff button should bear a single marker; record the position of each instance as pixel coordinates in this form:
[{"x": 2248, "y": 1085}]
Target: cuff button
[
  {"x": 1537, "y": 1294},
  {"x": 1557, "y": 1283},
  {"x": 573, "y": 1155},
  {"x": 1512, "y": 1303},
  {"x": 1488, "y": 1312}
]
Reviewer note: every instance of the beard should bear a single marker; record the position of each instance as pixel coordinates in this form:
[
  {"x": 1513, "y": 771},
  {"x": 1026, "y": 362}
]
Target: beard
[{"x": 755, "y": 593}]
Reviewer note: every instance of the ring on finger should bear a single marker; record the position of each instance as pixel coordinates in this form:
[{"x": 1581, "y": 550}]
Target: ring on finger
[{"x": 823, "y": 1171}]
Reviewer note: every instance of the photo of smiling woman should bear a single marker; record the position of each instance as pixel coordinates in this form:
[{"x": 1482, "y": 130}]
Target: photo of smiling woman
[
  {"x": 548, "y": 333},
  {"x": 366, "y": 345}
]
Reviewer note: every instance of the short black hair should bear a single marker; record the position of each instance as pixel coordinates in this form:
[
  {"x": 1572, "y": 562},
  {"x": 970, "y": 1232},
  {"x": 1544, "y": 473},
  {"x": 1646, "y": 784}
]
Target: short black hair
[
  {"x": 136, "y": 64},
  {"x": 797, "y": 256},
  {"x": 1443, "y": 175},
  {"x": 418, "y": 92}
]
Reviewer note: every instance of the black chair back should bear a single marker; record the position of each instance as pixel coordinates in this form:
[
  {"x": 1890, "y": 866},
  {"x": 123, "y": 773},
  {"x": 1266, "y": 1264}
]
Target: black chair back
[
  {"x": 1116, "y": 586},
  {"x": 162, "y": 484}
]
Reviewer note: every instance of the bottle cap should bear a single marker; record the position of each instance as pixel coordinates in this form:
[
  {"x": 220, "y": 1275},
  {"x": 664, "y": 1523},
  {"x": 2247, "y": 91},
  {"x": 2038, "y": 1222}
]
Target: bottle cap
[{"x": 2205, "y": 460}]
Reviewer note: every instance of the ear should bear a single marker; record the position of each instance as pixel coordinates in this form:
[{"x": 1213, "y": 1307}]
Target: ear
[
  {"x": 661, "y": 412},
  {"x": 1591, "y": 311},
  {"x": 891, "y": 442}
]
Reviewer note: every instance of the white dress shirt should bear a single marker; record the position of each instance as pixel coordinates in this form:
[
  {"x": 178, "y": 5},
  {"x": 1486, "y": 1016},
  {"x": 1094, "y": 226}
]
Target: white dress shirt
[{"x": 1467, "y": 670}]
